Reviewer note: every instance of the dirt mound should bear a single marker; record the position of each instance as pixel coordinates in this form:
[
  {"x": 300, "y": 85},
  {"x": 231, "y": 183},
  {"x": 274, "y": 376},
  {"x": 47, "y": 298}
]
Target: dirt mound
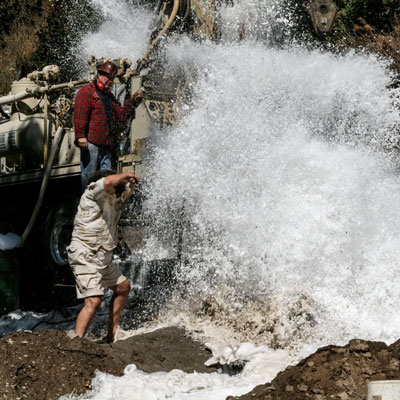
[
  {"x": 333, "y": 372},
  {"x": 161, "y": 350},
  {"x": 48, "y": 364}
]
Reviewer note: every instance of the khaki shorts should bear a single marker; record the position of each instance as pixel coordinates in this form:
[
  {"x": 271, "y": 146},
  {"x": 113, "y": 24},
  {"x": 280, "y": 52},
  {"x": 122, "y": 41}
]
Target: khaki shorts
[{"x": 93, "y": 271}]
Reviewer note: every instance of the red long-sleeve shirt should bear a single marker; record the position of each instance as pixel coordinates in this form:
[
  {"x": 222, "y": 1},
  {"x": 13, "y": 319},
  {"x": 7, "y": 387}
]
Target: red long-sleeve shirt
[{"x": 90, "y": 118}]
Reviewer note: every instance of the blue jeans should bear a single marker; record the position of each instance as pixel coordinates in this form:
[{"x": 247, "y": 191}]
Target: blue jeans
[{"x": 95, "y": 158}]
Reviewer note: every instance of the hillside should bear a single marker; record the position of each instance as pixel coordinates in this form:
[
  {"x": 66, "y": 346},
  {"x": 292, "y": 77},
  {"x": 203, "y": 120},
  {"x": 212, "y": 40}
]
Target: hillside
[{"x": 35, "y": 33}]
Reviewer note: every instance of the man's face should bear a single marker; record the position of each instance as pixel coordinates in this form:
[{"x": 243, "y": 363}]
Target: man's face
[{"x": 105, "y": 79}]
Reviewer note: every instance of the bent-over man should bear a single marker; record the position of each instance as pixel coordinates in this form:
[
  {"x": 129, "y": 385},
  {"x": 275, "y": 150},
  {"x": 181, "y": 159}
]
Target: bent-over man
[{"x": 91, "y": 250}]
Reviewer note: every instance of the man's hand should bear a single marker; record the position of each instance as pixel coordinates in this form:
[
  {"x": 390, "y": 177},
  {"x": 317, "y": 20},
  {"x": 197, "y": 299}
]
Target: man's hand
[
  {"x": 83, "y": 143},
  {"x": 131, "y": 177},
  {"x": 133, "y": 180},
  {"x": 138, "y": 94},
  {"x": 111, "y": 181}
]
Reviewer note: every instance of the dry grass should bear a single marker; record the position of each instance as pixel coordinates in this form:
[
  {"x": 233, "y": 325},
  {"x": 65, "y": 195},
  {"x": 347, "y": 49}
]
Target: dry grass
[
  {"x": 21, "y": 44},
  {"x": 384, "y": 44}
]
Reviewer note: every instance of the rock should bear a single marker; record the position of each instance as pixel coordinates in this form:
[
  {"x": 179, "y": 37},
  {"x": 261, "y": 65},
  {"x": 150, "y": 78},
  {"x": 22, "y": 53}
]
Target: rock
[
  {"x": 335, "y": 372},
  {"x": 302, "y": 387},
  {"x": 367, "y": 354},
  {"x": 358, "y": 345},
  {"x": 339, "y": 350}
]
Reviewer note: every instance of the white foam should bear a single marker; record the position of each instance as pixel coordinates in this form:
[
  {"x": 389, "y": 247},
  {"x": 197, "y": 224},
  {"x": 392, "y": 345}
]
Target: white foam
[{"x": 262, "y": 365}]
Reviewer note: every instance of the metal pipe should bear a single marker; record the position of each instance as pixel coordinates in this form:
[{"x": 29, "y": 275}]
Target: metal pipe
[
  {"x": 69, "y": 85},
  {"x": 45, "y": 130},
  {"x": 53, "y": 151},
  {"x": 12, "y": 98},
  {"x": 36, "y": 91},
  {"x": 171, "y": 19}
]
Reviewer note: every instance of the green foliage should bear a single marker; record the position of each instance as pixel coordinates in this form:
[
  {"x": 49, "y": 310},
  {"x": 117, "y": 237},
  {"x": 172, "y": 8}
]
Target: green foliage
[
  {"x": 12, "y": 10},
  {"x": 383, "y": 15},
  {"x": 36, "y": 33},
  {"x": 379, "y": 15},
  {"x": 18, "y": 38}
]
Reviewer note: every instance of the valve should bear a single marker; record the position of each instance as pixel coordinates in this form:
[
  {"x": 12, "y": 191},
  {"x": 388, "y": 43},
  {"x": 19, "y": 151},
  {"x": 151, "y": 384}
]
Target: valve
[
  {"x": 49, "y": 73},
  {"x": 323, "y": 13}
]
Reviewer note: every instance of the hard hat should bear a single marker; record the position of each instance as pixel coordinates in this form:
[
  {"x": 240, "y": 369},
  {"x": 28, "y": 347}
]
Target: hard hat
[{"x": 108, "y": 68}]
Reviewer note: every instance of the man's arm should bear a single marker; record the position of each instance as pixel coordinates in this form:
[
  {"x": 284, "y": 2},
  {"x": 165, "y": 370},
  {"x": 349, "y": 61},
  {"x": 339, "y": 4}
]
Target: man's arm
[
  {"x": 111, "y": 181},
  {"x": 81, "y": 116},
  {"x": 122, "y": 114}
]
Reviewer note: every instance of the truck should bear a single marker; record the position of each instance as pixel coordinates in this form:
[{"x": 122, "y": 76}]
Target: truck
[{"x": 40, "y": 165}]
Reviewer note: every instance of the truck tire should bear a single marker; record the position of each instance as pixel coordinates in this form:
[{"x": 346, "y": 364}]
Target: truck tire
[
  {"x": 57, "y": 233},
  {"x": 46, "y": 280},
  {"x": 58, "y": 230}
]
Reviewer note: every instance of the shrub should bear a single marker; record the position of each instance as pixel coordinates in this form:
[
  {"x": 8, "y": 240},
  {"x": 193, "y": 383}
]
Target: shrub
[{"x": 41, "y": 32}]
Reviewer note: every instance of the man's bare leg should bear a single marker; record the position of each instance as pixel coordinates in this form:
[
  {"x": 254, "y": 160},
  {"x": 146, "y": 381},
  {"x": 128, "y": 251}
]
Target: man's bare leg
[
  {"x": 117, "y": 304},
  {"x": 86, "y": 315}
]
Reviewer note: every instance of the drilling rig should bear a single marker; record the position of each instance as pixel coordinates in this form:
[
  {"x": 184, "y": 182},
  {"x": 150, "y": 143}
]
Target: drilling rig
[{"x": 40, "y": 165}]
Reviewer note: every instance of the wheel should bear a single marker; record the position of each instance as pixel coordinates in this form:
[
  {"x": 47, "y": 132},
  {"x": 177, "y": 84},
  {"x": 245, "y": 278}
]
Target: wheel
[
  {"x": 59, "y": 237},
  {"x": 58, "y": 281},
  {"x": 45, "y": 279},
  {"x": 58, "y": 230}
]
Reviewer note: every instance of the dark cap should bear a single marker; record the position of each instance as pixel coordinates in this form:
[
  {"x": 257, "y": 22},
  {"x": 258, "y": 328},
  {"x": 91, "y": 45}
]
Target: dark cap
[{"x": 108, "y": 68}]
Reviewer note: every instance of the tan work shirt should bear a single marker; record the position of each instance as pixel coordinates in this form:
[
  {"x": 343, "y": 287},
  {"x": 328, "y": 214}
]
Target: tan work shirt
[{"x": 97, "y": 217}]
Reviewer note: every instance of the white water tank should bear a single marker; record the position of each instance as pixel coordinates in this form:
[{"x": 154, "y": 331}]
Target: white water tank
[
  {"x": 383, "y": 390},
  {"x": 31, "y": 105}
]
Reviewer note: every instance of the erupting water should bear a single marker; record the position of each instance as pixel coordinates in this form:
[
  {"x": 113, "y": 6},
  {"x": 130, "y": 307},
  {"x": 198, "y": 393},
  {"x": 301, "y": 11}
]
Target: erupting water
[
  {"x": 125, "y": 33},
  {"x": 283, "y": 181}
]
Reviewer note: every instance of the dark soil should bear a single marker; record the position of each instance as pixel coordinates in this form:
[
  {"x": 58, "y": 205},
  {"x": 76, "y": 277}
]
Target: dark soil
[
  {"x": 48, "y": 364},
  {"x": 161, "y": 350},
  {"x": 333, "y": 372}
]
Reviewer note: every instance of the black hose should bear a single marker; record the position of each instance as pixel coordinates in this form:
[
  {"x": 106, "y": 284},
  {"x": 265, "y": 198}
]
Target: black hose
[{"x": 53, "y": 151}]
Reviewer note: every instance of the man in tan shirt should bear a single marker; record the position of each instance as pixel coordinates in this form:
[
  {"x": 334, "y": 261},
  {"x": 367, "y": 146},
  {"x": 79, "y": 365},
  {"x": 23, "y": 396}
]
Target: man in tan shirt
[{"x": 91, "y": 250}]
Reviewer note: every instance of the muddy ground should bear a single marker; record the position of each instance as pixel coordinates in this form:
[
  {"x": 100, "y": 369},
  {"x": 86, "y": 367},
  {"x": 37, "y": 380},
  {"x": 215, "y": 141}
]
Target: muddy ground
[
  {"x": 334, "y": 373},
  {"x": 48, "y": 364}
]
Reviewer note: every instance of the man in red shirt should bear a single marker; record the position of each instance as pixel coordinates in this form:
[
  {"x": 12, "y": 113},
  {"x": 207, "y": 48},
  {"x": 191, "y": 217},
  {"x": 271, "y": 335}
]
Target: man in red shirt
[{"x": 97, "y": 113}]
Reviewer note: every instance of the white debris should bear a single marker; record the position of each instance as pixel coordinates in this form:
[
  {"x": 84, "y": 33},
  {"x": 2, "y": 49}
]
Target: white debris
[{"x": 9, "y": 241}]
